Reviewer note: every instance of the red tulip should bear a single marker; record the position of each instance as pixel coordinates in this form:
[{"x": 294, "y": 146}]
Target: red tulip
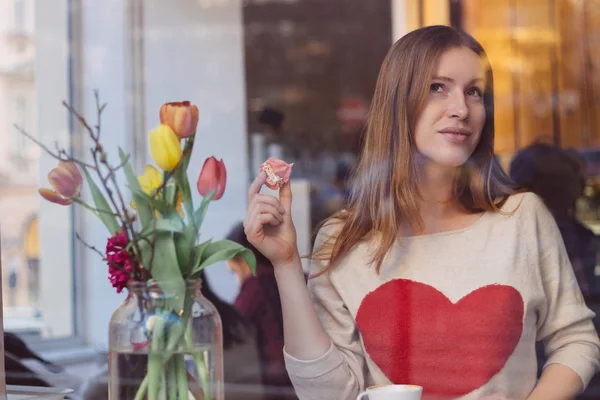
[
  {"x": 66, "y": 181},
  {"x": 212, "y": 177},
  {"x": 182, "y": 117}
]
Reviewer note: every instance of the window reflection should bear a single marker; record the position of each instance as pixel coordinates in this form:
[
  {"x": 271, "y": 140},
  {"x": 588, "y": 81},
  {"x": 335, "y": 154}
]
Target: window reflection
[{"x": 310, "y": 72}]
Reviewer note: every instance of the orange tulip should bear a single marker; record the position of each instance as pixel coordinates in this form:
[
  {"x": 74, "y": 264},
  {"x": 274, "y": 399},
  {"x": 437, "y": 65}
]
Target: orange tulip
[
  {"x": 66, "y": 181},
  {"x": 182, "y": 117},
  {"x": 212, "y": 177}
]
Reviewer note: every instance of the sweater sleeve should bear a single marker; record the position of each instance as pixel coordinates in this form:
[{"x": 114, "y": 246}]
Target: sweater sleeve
[
  {"x": 339, "y": 373},
  {"x": 565, "y": 322}
]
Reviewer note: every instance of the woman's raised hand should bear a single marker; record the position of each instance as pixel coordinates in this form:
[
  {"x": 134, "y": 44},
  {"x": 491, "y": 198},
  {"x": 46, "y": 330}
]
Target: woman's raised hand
[{"x": 268, "y": 224}]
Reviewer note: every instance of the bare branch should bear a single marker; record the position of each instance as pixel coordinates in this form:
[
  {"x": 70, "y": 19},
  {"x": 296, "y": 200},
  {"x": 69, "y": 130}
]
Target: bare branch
[
  {"x": 99, "y": 157},
  {"x": 61, "y": 155},
  {"x": 81, "y": 119},
  {"x": 113, "y": 265},
  {"x": 78, "y": 200},
  {"x": 100, "y": 109}
]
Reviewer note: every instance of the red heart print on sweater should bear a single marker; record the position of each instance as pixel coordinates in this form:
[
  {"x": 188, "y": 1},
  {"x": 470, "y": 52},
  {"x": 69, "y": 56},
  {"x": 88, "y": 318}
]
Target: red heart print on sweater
[{"x": 416, "y": 335}]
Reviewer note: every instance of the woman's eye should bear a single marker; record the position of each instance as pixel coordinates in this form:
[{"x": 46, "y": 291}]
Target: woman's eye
[
  {"x": 436, "y": 87},
  {"x": 475, "y": 92}
]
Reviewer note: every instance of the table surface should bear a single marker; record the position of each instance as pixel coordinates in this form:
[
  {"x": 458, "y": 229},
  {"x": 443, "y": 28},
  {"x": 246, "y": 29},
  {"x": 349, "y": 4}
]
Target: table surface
[{"x": 30, "y": 393}]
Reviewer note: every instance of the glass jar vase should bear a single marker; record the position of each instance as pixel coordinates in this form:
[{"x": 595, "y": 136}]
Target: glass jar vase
[{"x": 165, "y": 342}]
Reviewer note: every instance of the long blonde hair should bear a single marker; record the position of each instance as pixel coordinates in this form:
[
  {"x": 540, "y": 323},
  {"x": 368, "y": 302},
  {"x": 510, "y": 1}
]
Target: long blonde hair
[{"x": 384, "y": 191}]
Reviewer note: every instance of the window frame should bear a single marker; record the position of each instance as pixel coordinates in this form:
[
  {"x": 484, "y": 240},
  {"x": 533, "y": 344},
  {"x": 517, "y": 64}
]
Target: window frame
[
  {"x": 61, "y": 27},
  {"x": 19, "y": 15}
]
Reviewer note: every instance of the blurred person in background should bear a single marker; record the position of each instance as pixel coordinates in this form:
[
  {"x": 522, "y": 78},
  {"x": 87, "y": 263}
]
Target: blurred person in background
[
  {"x": 259, "y": 304},
  {"x": 330, "y": 197},
  {"x": 271, "y": 121},
  {"x": 240, "y": 354},
  {"x": 558, "y": 177}
]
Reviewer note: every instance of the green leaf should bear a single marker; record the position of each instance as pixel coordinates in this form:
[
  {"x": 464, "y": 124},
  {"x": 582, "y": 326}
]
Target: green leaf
[
  {"x": 183, "y": 186},
  {"x": 171, "y": 194},
  {"x": 154, "y": 203},
  {"x": 163, "y": 266},
  {"x": 222, "y": 250},
  {"x": 164, "y": 224},
  {"x": 199, "y": 251},
  {"x": 169, "y": 191},
  {"x": 101, "y": 204},
  {"x": 189, "y": 144},
  {"x": 197, "y": 259},
  {"x": 184, "y": 245},
  {"x": 200, "y": 213},
  {"x": 143, "y": 209}
]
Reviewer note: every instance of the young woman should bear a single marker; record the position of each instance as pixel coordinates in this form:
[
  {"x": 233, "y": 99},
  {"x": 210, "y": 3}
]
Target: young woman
[{"x": 436, "y": 273}]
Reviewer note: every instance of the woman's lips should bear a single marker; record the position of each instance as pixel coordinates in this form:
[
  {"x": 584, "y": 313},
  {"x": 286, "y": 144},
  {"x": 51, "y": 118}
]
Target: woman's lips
[{"x": 456, "y": 135}]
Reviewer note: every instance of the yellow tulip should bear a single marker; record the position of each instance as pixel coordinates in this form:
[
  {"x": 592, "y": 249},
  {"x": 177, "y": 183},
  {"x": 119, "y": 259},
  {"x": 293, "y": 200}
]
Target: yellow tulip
[
  {"x": 150, "y": 181},
  {"x": 165, "y": 148}
]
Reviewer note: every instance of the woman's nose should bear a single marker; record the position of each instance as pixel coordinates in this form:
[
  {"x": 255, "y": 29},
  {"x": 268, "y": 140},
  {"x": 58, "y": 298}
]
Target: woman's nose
[{"x": 457, "y": 107}]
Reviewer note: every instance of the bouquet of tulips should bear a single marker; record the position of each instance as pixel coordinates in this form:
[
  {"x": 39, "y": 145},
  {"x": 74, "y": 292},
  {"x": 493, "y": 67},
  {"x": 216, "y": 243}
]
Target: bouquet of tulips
[{"x": 153, "y": 232}]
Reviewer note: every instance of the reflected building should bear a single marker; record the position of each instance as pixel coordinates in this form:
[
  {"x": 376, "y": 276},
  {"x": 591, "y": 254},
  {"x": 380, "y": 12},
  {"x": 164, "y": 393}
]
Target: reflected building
[{"x": 18, "y": 156}]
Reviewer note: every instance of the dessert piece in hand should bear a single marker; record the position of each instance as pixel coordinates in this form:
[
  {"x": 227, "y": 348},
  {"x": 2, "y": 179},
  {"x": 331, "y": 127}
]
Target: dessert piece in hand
[{"x": 278, "y": 172}]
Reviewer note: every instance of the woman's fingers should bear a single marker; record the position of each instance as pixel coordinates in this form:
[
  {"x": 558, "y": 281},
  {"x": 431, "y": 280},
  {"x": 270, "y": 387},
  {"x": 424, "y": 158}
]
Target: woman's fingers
[
  {"x": 262, "y": 208},
  {"x": 258, "y": 215},
  {"x": 256, "y": 185},
  {"x": 268, "y": 218},
  {"x": 254, "y": 227},
  {"x": 265, "y": 199}
]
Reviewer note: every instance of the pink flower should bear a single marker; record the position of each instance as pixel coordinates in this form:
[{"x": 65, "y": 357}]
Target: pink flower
[
  {"x": 137, "y": 346},
  {"x": 212, "y": 177},
  {"x": 278, "y": 172},
  {"x": 120, "y": 266},
  {"x": 66, "y": 181},
  {"x": 118, "y": 278}
]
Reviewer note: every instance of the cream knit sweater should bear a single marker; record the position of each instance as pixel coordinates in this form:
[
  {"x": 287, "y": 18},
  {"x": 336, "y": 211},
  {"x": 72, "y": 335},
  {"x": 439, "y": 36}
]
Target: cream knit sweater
[{"x": 457, "y": 312}]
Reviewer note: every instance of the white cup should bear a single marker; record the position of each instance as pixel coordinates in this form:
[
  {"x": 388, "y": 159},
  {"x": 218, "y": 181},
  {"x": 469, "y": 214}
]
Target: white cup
[{"x": 392, "y": 392}]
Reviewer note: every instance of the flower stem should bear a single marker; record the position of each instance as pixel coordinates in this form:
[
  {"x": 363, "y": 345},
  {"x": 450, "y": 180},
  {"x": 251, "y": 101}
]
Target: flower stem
[
  {"x": 200, "y": 362},
  {"x": 142, "y": 389},
  {"x": 155, "y": 365},
  {"x": 172, "y": 374},
  {"x": 181, "y": 377},
  {"x": 183, "y": 180},
  {"x": 162, "y": 393},
  {"x": 155, "y": 362}
]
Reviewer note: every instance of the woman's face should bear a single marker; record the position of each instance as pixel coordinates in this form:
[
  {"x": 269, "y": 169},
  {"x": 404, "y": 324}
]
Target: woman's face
[
  {"x": 240, "y": 268},
  {"x": 450, "y": 124}
]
